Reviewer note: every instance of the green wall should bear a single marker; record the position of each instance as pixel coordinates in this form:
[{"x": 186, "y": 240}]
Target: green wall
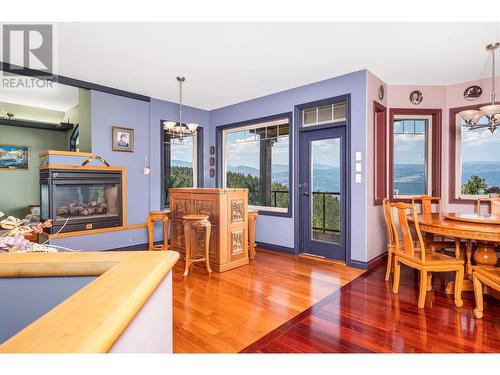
[{"x": 19, "y": 189}]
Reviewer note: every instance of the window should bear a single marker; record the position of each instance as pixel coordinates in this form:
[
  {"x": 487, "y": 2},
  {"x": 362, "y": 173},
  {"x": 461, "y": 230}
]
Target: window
[
  {"x": 179, "y": 163},
  {"x": 412, "y": 156},
  {"x": 256, "y": 157},
  {"x": 415, "y": 153},
  {"x": 326, "y": 114},
  {"x": 477, "y": 160}
]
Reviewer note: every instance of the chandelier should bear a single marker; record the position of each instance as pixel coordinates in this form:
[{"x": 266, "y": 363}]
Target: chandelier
[
  {"x": 492, "y": 111},
  {"x": 179, "y": 130}
]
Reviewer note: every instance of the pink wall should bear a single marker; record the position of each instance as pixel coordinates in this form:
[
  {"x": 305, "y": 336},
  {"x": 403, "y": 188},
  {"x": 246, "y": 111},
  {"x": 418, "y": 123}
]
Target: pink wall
[
  {"x": 443, "y": 97},
  {"x": 375, "y": 226}
]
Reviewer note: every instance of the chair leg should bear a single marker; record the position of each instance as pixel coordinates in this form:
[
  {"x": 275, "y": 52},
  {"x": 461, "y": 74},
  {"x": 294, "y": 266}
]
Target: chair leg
[
  {"x": 207, "y": 249},
  {"x": 397, "y": 274},
  {"x": 187, "y": 240},
  {"x": 429, "y": 282},
  {"x": 389, "y": 265},
  {"x": 478, "y": 294},
  {"x": 459, "y": 280},
  {"x": 151, "y": 234},
  {"x": 422, "y": 289}
]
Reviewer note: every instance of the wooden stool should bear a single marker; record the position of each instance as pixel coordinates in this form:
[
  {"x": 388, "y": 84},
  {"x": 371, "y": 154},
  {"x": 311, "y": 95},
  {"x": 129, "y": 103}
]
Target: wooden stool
[
  {"x": 193, "y": 223},
  {"x": 163, "y": 216},
  {"x": 252, "y": 219}
]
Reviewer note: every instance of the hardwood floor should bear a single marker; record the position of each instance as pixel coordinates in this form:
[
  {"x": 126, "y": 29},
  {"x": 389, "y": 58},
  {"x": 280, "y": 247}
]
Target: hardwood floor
[
  {"x": 364, "y": 316},
  {"x": 228, "y": 311}
]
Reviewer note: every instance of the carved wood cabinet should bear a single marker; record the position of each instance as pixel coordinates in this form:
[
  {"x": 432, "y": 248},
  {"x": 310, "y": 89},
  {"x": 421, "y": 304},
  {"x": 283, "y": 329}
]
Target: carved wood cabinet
[{"x": 227, "y": 211}]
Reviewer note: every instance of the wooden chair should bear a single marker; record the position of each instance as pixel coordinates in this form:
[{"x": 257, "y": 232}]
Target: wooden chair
[
  {"x": 164, "y": 217},
  {"x": 252, "y": 220},
  {"x": 386, "y": 206},
  {"x": 417, "y": 257},
  {"x": 489, "y": 276},
  {"x": 494, "y": 205},
  {"x": 432, "y": 205},
  {"x": 192, "y": 224}
]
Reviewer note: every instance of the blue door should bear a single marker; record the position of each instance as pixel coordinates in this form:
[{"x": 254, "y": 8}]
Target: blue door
[{"x": 322, "y": 193}]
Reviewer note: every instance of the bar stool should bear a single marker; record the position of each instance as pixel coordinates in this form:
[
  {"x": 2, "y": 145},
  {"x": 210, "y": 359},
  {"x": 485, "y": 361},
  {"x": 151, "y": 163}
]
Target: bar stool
[
  {"x": 252, "y": 219},
  {"x": 193, "y": 224},
  {"x": 163, "y": 216}
]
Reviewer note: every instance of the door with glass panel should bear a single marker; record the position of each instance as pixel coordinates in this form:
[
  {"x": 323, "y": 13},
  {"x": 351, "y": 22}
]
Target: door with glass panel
[{"x": 322, "y": 193}]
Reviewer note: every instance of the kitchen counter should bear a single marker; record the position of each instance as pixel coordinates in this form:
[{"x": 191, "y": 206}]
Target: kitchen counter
[{"x": 104, "y": 315}]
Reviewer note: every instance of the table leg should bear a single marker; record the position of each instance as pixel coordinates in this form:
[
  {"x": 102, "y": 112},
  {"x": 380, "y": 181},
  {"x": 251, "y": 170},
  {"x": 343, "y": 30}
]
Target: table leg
[{"x": 468, "y": 264}]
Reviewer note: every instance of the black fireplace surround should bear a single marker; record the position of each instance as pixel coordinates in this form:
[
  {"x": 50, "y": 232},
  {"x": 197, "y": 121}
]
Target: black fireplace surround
[{"x": 78, "y": 200}]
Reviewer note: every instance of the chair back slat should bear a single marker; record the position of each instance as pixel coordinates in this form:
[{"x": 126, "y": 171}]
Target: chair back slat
[
  {"x": 493, "y": 203},
  {"x": 402, "y": 210},
  {"x": 427, "y": 204},
  {"x": 386, "y": 205}
]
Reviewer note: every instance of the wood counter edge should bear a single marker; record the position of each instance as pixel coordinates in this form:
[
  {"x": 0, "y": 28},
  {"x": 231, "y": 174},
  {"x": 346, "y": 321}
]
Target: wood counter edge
[{"x": 93, "y": 318}]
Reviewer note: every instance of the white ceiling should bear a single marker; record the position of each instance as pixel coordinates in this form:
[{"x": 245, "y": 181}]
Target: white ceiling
[
  {"x": 226, "y": 63},
  {"x": 56, "y": 98}
]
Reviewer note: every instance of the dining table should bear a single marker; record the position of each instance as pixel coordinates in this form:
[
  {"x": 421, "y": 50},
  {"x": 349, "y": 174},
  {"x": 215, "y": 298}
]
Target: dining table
[{"x": 481, "y": 229}]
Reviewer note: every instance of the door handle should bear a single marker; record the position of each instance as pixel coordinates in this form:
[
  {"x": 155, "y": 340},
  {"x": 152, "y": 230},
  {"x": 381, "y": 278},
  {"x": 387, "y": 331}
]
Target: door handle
[{"x": 306, "y": 194}]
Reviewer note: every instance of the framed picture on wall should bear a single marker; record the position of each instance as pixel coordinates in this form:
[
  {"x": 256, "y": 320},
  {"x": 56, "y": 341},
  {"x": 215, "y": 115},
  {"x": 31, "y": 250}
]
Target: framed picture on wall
[
  {"x": 123, "y": 139},
  {"x": 14, "y": 157}
]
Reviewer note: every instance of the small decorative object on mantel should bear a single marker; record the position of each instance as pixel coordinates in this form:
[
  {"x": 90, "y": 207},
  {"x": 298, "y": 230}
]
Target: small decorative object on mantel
[
  {"x": 381, "y": 92},
  {"x": 95, "y": 157},
  {"x": 416, "y": 97},
  {"x": 14, "y": 157},
  {"x": 123, "y": 139},
  {"x": 472, "y": 93},
  {"x": 212, "y": 161},
  {"x": 212, "y": 172},
  {"x": 493, "y": 192},
  {"x": 212, "y": 150}
]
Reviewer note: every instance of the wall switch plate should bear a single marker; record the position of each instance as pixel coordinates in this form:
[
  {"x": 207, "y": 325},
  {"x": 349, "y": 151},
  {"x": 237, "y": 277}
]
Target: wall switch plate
[
  {"x": 358, "y": 178},
  {"x": 358, "y": 155},
  {"x": 358, "y": 167}
]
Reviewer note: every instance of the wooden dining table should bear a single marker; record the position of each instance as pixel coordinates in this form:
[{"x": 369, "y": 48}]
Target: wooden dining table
[{"x": 484, "y": 230}]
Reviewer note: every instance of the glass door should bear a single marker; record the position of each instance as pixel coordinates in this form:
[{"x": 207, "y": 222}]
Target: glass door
[{"x": 322, "y": 189}]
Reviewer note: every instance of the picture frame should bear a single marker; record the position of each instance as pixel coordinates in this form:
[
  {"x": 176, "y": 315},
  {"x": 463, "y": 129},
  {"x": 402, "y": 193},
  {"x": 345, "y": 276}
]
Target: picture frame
[
  {"x": 123, "y": 139},
  {"x": 14, "y": 157}
]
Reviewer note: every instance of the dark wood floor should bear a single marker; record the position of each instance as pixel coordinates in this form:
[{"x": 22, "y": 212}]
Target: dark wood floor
[{"x": 364, "y": 316}]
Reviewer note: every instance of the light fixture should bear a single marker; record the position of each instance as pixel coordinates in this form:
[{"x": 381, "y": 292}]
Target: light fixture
[
  {"x": 471, "y": 117},
  {"x": 180, "y": 130}
]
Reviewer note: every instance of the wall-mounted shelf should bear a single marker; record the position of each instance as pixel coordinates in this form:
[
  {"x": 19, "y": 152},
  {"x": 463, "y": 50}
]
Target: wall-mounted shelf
[{"x": 62, "y": 126}]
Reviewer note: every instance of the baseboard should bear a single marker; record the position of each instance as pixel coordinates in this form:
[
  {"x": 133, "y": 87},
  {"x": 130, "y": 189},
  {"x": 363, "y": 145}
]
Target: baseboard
[
  {"x": 143, "y": 246},
  {"x": 379, "y": 259},
  {"x": 278, "y": 248}
]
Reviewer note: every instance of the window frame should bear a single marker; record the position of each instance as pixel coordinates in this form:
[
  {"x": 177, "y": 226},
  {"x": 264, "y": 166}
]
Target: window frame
[
  {"x": 455, "y": 196},
  {"x": 222, "y": 130},
  {"x": 435, "y": 162},
  {"x": 198, "y": 176}
]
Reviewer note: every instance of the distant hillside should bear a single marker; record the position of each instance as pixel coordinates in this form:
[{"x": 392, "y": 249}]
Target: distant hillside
[{"x": 181, "y": 163}]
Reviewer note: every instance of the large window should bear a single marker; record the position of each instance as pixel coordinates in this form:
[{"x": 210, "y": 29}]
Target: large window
[
  {"x": 179, "y": 163},
  {"x": 256, "y": 157},
  {"x": 414, "y": 153},
  {"x": 477, "y": 161},
  {"x": 412, "y": 156}
]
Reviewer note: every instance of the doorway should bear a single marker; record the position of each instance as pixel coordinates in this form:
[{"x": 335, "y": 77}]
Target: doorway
[{"x": 322, "y": 193}]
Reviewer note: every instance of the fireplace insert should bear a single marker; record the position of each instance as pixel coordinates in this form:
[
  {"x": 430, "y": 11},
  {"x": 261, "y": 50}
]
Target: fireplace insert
[{"x": 78, "y": 200}]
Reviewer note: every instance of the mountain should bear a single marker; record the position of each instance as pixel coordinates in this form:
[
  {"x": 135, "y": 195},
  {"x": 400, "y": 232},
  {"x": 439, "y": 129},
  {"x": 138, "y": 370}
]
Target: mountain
[{"x": 181, "y": 163}]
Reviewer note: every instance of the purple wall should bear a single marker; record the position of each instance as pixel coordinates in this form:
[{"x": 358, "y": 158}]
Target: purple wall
[
  {"x": 278, "y": 230},
  {"x": 143, "y": 192}
]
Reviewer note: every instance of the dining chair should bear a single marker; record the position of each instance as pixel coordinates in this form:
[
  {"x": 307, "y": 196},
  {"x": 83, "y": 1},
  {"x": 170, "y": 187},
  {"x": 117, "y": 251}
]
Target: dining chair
[
  {"x": 432, "y": 205},
  {"x": 484, "y": 275},
  {"x": 386, "y": 206},
  {"x": 493, "y": 203},
  {"x": 416, "y": 257}
]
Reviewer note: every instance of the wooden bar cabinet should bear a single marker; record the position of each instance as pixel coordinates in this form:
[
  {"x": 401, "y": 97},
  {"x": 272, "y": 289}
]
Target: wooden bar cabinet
[{"x": 227, "y": 211}]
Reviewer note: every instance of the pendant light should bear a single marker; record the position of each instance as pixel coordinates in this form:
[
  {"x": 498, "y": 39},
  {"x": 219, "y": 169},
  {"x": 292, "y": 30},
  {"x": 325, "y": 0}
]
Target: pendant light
[
  {"x": 180, "y": 130},
  {"x": 492, "y": 111}
]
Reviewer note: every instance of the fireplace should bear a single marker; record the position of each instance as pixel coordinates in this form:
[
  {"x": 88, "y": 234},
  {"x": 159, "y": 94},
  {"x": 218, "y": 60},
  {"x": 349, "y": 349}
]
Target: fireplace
[{"x": 79, "y": 200}]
